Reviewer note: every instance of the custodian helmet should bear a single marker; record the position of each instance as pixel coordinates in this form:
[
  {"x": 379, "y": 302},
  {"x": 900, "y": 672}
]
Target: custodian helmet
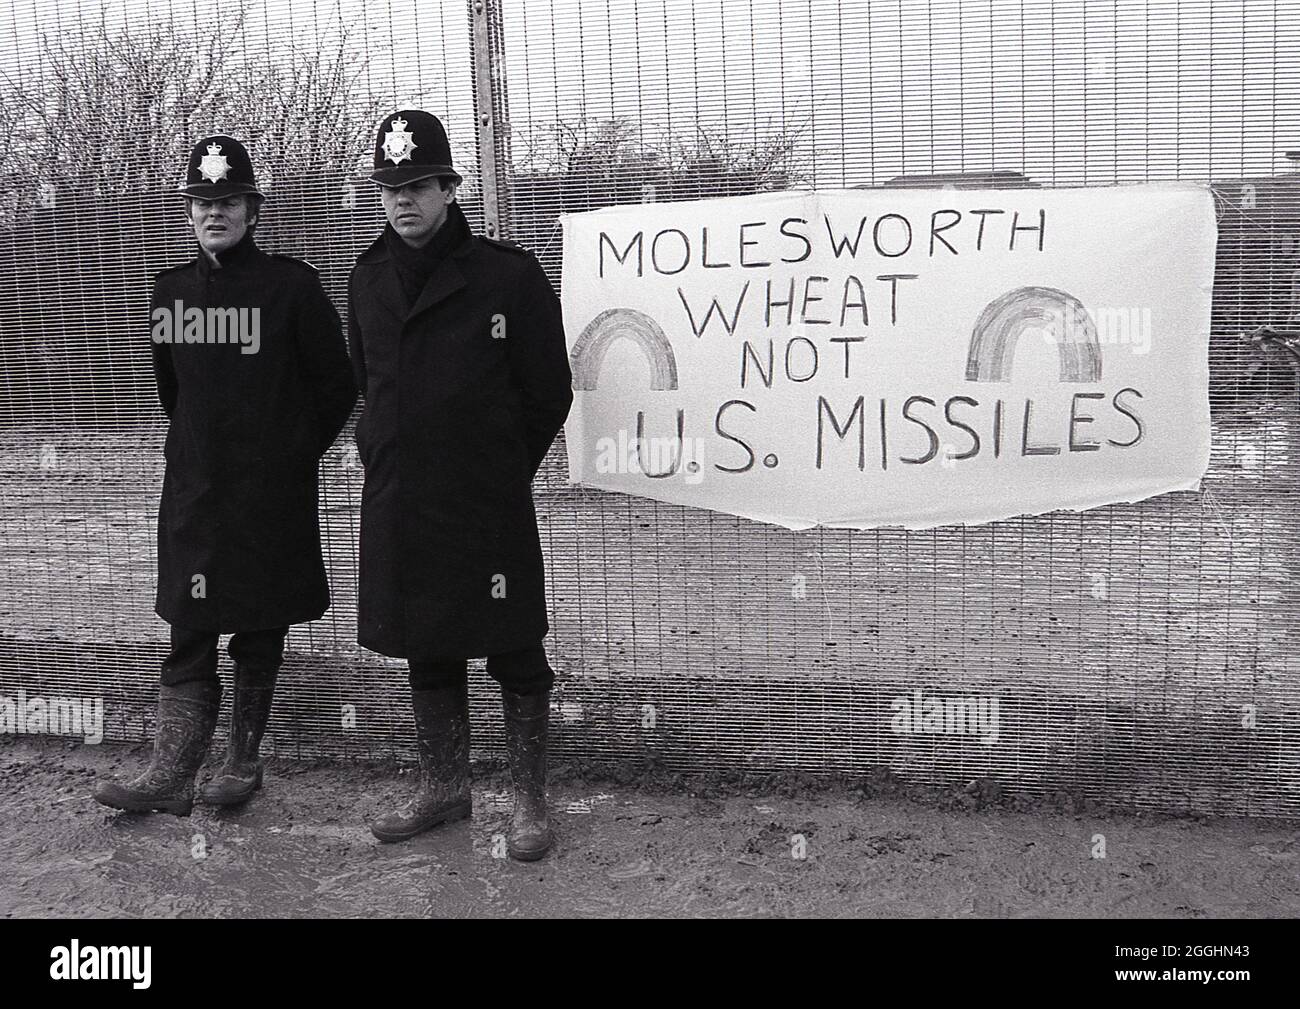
[
  {"x": 219, "y": 166},
  {"x": 411, "y": 145}
]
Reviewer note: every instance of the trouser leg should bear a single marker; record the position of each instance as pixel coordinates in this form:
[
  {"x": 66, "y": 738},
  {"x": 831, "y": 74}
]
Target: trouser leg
[
  {"x": 193, "y": 657},
  {"x": 436, "y": 674},
  {"x": 258, "y": 651},
  {"x": 523, "y": 671}
]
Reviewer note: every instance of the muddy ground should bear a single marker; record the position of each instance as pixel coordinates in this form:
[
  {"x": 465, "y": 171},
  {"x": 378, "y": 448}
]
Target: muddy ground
[{"x": 633, "y": 842}]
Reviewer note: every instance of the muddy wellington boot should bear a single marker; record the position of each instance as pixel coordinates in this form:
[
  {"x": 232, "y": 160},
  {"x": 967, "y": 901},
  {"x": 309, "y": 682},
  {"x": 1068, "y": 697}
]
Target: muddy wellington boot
[
  {"x": 442, "y": 740},
  {"x": 187, "y": 714},
  {"x": 241, "y": 773},
  {"x": 525, "y": 720}
]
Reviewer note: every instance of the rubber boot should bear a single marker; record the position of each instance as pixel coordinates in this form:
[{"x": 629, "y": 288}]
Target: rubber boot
[
  {"x": 525, "y": 720},
  {"x": 187, "y": 714},
  {"x": 241, "y": 773},
  {"x": 442, "y": 738}
]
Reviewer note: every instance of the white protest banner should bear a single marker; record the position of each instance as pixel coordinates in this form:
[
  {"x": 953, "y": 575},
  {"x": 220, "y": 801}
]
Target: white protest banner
[{"x": 859, "y": 358}]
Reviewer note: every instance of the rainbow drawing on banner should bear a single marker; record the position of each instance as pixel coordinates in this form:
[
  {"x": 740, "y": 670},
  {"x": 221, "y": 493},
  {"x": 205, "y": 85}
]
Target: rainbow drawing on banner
[
  {"x": 611, "y": 324},
  {"x": 1000, "y": 326}
]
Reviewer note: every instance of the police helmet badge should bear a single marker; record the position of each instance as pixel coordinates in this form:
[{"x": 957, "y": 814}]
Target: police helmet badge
[
  {"x": 219, "y": 166},
  {"x": 213, "y": 166},
  {"x": 399, "y": 143},
  {"x": 411, "y": 144}
]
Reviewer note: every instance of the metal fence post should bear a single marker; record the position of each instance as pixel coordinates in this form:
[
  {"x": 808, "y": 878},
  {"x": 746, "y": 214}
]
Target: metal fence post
[{"x": 491, "y": 116}]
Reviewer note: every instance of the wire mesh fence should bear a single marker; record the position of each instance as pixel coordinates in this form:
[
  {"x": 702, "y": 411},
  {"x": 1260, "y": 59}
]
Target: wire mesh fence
[{"x": 1137, "y": 653}]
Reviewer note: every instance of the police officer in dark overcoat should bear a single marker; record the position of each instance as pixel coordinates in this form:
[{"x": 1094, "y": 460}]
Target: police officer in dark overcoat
[
  {"x": 458, "y": 348},
  {"x": 252, "y": 371}
]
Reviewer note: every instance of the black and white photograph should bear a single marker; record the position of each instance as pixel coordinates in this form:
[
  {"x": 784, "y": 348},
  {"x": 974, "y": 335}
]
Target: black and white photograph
[{"x": 607, "y": 459}]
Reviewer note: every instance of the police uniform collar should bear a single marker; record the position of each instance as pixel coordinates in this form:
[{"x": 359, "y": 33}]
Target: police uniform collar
[
  {"x": 377, "y": 251},
  {"x": 463, "y": 236},
  {"x": 237, "y": 255},
  {"x": 451, "y": 234}
]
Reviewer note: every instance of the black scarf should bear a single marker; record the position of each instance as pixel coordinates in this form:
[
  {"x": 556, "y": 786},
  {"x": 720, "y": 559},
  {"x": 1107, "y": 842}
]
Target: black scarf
[{"x": 415, "y": 266}]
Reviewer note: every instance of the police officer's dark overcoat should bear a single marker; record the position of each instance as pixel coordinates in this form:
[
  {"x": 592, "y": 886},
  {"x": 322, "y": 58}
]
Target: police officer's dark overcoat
[
  {"x": 247, "y": 431},
  {"x": 465, "y": 389}
]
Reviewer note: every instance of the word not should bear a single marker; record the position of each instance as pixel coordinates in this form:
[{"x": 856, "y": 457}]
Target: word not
[
  {"x": 179, "y": 324},
  {"x": 102, "y": 963},
  {"x": 54, "y": 716},
  {"x": 934, "y": 715}
]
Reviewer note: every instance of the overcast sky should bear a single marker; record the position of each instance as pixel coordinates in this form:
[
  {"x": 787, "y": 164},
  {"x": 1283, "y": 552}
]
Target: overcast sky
[{"x": 1069, "y": 92}]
